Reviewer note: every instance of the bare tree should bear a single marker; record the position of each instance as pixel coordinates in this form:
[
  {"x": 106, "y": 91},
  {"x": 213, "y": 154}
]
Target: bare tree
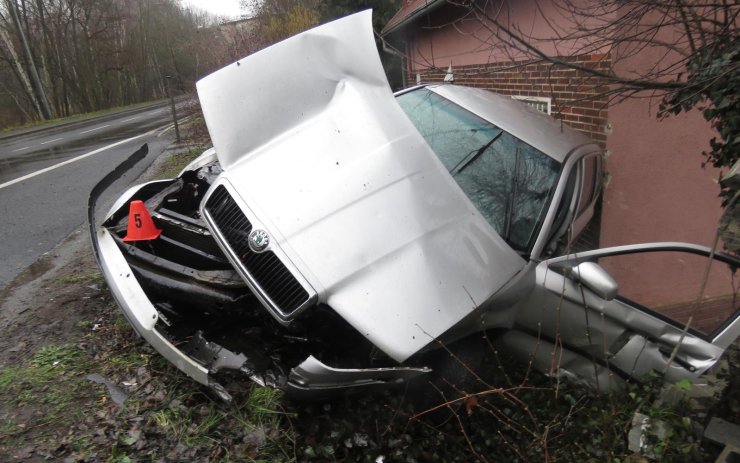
[
  {"x": 60, "y": 57},
  {"x": 694, "y": 46},
  {"x": 279, "y": 19},
  {"x": 19, "y": 71}
]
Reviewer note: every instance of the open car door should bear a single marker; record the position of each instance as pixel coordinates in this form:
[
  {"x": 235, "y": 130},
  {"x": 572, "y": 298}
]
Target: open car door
[{"x": 607, "y": 315}]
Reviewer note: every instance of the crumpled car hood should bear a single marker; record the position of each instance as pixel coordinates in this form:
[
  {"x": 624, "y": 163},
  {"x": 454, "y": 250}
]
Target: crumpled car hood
[{"x": 310, "y": 136}]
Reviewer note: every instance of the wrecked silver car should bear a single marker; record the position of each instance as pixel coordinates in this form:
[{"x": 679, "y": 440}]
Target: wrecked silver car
[{"x": 336, "y": 233}]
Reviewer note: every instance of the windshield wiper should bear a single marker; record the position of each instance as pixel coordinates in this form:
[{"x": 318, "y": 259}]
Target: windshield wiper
[
  {"x": 511, "y": 199},
  {"x": 464, "y": 162}
]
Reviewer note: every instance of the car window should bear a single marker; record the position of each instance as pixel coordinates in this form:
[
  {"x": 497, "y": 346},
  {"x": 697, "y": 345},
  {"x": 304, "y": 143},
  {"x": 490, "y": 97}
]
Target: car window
[
  {"x": 559, "y": 232},
  {"x": 508, "y": 181},
  {"x": 671, "y": 285},
  {"x": 590, "y": 176}
]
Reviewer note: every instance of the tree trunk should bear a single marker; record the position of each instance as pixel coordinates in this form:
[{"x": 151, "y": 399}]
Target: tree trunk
[
  {"x": 21, "y": 72},
  {"x": 43, "y": 103}
]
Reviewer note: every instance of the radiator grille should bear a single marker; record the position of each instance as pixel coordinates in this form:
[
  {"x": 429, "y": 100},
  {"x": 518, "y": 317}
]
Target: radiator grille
[{"x": 265, "y": 268}]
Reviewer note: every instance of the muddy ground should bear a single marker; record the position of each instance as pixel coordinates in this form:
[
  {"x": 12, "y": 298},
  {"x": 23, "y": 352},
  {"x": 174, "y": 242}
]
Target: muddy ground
[{"x": 76, "y": 384}]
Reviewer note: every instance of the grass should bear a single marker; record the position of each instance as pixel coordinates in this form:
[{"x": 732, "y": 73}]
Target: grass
[
  {"x": 176, "y": 162},
  {"x": 128, "y": 361},
  {"x": 85, "y": 278},
  {"x": 192, "y": 429},
  {"x": 44, "y": 391},
  {"x": 200, "y": 424},
  {"x": 49, "y": 404},
  {"x": 197, "y": 139},
  {"x": 49, "y": 363}
]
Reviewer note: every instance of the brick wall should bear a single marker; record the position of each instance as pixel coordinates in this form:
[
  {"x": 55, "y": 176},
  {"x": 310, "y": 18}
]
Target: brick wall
[{"x": 577, "y": 97}]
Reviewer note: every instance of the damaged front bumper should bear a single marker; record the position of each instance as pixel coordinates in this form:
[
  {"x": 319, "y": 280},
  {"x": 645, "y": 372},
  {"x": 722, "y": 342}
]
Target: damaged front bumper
[{"x": 194, "y": 354}]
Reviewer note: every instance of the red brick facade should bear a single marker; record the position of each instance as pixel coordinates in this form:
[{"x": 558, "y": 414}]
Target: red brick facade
[{"x": 577, "y": 98}]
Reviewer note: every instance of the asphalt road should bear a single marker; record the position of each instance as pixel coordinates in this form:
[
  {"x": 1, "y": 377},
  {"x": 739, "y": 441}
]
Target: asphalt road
[{"x": 46, "y": 177}]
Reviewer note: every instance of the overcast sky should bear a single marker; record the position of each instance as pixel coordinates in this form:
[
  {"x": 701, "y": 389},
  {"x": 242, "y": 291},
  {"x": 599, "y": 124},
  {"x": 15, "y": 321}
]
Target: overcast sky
[{"x": 228, "y": 8}]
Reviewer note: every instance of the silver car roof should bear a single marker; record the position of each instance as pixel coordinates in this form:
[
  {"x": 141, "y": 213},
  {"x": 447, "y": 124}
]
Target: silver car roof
[{"x": 528, "y": 124}]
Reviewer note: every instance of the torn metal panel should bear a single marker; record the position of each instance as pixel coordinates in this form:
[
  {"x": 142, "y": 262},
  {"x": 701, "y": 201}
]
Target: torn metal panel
[
  {"x": 181, "y": 287},
  {"x": 117, "y": 394},
  {"x": 137, "y": 307},
  {"x": 357, "y": 205},
  {"x": 555, "y": 361},
  {"x": 217, "y": 358},
  {"x": 256, "y": 100},
  {"x": 640, "y": 356},
  {"x": 314, "y": 378},
  {"x": 631, "y": 338}
]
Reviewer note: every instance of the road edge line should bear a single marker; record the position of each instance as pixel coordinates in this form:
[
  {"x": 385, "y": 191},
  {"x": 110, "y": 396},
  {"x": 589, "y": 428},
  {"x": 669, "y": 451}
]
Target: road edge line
[{"x": 70, "y": 161}]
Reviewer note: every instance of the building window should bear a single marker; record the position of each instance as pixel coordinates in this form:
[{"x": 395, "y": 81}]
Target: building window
[{"x": 541, "y": 103}]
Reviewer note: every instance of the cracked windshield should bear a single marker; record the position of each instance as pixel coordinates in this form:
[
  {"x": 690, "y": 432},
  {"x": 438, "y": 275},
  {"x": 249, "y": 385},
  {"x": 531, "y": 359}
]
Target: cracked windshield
[{"x": 508, "y": 181}]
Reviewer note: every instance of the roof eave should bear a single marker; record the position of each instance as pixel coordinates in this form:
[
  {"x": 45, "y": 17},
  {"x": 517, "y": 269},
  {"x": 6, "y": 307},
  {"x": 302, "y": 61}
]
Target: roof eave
[{"x": 411, "y": 17}]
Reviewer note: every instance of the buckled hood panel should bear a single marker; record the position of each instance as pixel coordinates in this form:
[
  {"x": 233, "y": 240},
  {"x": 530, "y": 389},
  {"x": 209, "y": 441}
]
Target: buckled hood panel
[{"x": 310, "y": 136}]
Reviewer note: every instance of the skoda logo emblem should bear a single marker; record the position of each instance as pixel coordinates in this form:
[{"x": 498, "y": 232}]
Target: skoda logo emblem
[{"x": 258, "y": 240}]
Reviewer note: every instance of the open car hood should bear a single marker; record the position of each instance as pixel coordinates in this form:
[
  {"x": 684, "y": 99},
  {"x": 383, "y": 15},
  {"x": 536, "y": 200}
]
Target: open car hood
[{"x": 311, "y": 139}]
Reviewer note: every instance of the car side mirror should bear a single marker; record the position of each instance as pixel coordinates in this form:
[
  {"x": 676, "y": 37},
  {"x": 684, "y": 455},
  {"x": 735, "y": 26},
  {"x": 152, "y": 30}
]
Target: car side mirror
[{"x": 595, "y": 278}]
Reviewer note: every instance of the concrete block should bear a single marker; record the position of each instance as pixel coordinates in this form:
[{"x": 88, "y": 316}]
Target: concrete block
[
  {"x": 723, "y": 432},
  {"x": 730, "y": 454}
]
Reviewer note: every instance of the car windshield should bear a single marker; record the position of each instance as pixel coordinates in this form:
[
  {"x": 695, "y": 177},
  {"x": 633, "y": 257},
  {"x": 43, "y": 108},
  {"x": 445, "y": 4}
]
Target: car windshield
[{"x": 508, "y": 181}]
